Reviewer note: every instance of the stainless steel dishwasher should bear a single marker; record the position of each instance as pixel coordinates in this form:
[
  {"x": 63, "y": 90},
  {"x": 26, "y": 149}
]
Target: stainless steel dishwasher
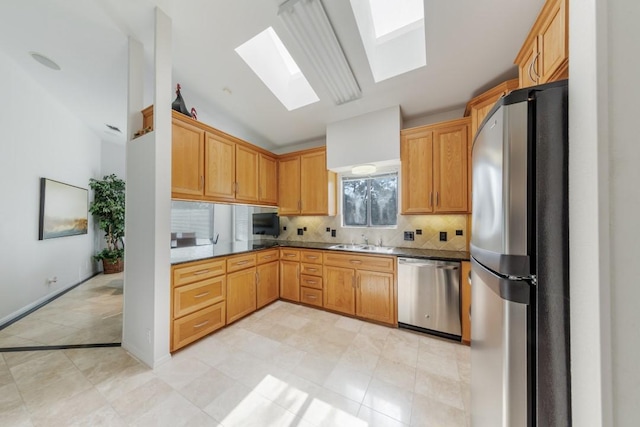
[{"x": 429, "y": 296}]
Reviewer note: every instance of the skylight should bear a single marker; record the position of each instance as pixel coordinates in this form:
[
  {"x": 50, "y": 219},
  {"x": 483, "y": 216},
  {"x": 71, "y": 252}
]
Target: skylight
[
  {"x": 393, "y": 36},
  {"x": 267, "y": 56}
]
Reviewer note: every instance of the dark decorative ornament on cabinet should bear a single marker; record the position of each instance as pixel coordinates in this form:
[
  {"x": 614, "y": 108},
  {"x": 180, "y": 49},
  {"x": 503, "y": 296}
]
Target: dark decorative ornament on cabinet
[{"x": 180, "y": 106}]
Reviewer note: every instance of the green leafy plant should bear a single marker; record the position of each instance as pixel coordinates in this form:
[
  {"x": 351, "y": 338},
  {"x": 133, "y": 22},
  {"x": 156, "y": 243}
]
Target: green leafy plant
[{"x": 108, "y": 210}]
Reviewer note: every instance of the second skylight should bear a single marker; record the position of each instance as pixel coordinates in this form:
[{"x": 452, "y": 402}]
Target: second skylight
[{"x": 267, "y": 56}]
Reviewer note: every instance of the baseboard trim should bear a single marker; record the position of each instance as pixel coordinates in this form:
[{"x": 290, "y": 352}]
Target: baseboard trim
[{"x": 57, "y": 347}]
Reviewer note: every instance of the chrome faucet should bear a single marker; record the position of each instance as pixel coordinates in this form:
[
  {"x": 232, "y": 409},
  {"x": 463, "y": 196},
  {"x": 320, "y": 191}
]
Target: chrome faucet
[
  {"x": 379, "y": 241},
  {"x": 366, "y": 240}
]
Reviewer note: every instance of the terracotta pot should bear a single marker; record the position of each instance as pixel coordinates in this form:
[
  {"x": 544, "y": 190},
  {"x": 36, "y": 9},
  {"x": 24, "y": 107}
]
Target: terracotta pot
[{"x": 110, "y": 267}]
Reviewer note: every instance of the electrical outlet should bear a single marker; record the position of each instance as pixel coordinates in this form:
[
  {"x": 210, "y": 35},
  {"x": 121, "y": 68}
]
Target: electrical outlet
[
  {"x": 300, "y": 232},
  {"x": 419, "y": 231},
  {"x": 149, "y": 336},
  {"x": 409, "y": 236},
  {"x": 284, "y": 228},
  {"x": 304, "y": 228},
  {"x": 458, "y": 232},
  {"x": 328, "y": 229},
  {"x": 443, "y": 236},
  {"x": 333, "y": 233}
]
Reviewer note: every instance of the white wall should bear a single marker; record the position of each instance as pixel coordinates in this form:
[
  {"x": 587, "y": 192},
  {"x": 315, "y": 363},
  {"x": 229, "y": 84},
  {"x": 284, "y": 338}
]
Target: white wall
[
  {"x": 624, "y": 175},
  {"x": 604, "y": 203},
  {"x": 112, "y": 159},
  {"x": 40, "y": 138},
  {"x": 429, "y": 119},
  {"x": 370, "y": 138}
]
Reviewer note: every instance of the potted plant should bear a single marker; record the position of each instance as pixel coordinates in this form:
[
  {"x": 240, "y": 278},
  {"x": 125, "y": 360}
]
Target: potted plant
[{"x": 108, "y": 210}]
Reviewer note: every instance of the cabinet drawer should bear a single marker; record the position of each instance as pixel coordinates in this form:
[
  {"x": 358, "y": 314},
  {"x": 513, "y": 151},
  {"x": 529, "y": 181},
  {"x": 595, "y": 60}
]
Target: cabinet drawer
[
  {"x": 195, "y": 296},
  {"x": 196, "y": 325},
  {"x": 311, "y": 269},
  {"x": 311, "y": 281},
  {"x": 364, "y": 262},
  {"x": 267, "y": 256},
  {"x": 311, "y": 296},
  {"x": 194, "y": 271},
  {"x": 312, "y": 257},
  {"x": 290, "y": 254},
  {"x": 240, "y": 262}
]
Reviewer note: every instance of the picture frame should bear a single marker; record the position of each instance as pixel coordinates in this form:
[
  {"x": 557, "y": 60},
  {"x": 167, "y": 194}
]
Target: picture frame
[{"x": 64, "y": 210}]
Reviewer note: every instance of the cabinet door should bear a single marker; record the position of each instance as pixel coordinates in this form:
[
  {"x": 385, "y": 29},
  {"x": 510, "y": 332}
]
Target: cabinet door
[
  {"x": 268, "y": 183},
  {"x": 187, "y": 160},
  {"x": 528, "y": 69},
  {"x": 465, "y": 301},
  {"x": 241, "y": 294},
  {"x": 375, "y": 296},
  {"x": 289, "y": 186},
  {"x": 553, "y": 42},
  {"x": 416, "y": 156},
  {"x": 450, "y": 168},
  {"x": 290, "y": 280},
  {"x": 339, "y": 289},
  {"x": 220, "y": 161},
  {"x": 314, "y": 197},
  {"x": 268, "y": 283},
  {"x": 246, "y": 174}
]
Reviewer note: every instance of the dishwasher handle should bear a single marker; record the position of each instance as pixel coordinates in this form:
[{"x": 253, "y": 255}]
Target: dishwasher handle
[{"x": 427, "y": 263}]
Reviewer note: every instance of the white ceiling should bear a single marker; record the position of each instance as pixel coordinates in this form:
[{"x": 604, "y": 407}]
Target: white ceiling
[{"x": 471, "y": 45}]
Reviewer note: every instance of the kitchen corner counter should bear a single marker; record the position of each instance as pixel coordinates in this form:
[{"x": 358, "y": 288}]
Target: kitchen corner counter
[{"x": 196, "y": 253}]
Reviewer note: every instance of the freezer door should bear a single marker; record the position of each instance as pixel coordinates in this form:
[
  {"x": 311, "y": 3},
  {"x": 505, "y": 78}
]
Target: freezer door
[
  {"x": 500, "y": 167},
  {"x": 499, "y": 357}
]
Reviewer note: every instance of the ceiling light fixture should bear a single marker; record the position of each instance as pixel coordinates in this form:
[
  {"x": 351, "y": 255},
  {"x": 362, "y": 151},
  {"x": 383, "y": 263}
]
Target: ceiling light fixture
[
  {"x": 47, "y": 62},
  {"x": 308, "y": 23},
  {"x": 363, "y": 169}
]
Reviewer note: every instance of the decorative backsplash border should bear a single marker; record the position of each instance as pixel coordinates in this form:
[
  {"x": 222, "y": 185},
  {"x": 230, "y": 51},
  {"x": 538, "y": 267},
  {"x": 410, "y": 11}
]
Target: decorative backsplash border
[{"x": 431, "y": 226}]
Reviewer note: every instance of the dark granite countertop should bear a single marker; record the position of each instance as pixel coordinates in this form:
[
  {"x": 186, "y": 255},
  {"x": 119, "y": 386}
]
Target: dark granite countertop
[{"x": 197, "y": 253}]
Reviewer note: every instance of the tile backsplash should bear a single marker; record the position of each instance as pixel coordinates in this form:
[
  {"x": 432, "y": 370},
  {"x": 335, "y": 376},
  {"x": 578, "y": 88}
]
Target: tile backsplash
[{"x": 431, "y": 226}]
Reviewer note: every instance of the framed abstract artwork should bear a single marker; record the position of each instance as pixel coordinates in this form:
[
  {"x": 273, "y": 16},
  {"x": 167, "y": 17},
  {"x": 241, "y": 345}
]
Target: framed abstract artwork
[{"x": 63, "y": 209}]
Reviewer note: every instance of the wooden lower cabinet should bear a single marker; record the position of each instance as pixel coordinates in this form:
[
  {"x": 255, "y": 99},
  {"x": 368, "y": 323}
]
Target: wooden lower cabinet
[
  {"x": 190, "y": 298},
  {"x": 268, "y": 283},
  {"x": 290, "y": 280},
  {"x": 311, "y": 296},
  {"x": 375, "y": 296},
  {"x": 196, "y": 325},
  {"x": 241, "y": 294},
  {"x": 339, "y": 289},
  {"x": 465, "y": 301}
]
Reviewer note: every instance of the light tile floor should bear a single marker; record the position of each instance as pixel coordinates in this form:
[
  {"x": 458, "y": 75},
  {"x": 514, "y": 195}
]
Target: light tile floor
[
  {"x": 91, "y": 313},
  {"x": 285, "y": 365}
]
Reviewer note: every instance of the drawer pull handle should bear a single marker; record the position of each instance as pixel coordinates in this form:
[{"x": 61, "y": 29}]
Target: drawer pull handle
[
  {"x": 312, "y": 269},
  {"x": 267, "y": 256},
  {"x": 312, "y": 257},
  {"x": 313, "y": 282},
  {"x": 204, "y": 294},
  {"x": 242, "y": 262},
  {"x": 198, "y": 273},
  {"x": 355, "y": 261},
  {"x": 200, "y": 325},
  {"x": 289, "y": 255},
  {"x": 311, "y": 296}
]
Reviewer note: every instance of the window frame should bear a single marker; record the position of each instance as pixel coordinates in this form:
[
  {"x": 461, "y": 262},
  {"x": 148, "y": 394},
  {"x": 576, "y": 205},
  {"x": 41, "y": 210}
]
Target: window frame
[{"x": 369, "y": 178}]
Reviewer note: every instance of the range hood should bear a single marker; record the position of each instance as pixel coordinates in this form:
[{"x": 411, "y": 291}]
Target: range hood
[{"x": 372, "y": 138}]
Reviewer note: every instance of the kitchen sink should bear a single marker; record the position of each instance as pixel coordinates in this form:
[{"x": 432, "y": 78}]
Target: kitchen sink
[{"x": 363, "y": 248}]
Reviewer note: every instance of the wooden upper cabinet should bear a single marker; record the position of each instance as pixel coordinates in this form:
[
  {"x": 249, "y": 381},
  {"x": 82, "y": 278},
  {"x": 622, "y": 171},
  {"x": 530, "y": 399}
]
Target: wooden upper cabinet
[
  {"x": 246, "y": 174},
  {"x": 314, "y": 184},
  {"x": 305, "y": 186},
  {"x": 479, "y": 107},
  {"x": 450, "y": 168},
  {"x": 416, "y": 156},
  {"x": 544, "y": 56},
  {"x": 289, "y": 185},
  {"x": 434, "y": 163},
  {"x": 268, "y": 179},
  {"x": 187, "y": 154},
  {"x": 220, "y": 161}
]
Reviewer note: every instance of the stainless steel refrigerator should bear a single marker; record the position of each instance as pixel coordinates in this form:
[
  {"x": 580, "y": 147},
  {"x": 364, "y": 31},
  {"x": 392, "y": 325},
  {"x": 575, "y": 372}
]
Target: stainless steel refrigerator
[{"x": 520, "y": 372}]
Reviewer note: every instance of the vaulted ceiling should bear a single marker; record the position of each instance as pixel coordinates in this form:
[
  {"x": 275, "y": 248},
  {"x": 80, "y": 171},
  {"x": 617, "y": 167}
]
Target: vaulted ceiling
[{"x": 470, "y": 46}]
